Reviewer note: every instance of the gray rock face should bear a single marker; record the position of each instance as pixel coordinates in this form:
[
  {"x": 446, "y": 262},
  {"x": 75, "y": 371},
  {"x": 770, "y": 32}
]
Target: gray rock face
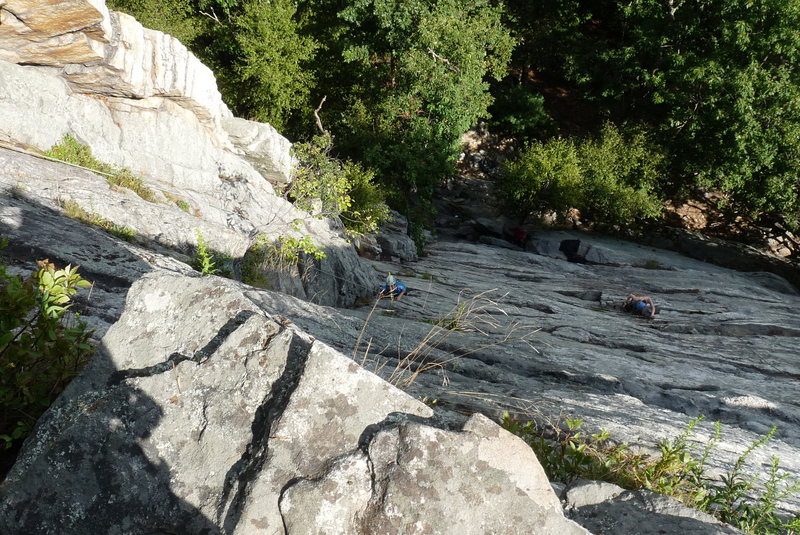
[
  {"x": 158, "y": 140},
  {"x": 728, "y": 254},
  {"x": 202, "y": 414},
  {"x": 53, "y": 184},
  {"x": 606, "y": 508},
  {"x": 229, "y": 202},
  {"x": 53, "y": 32},
  {"x": 394, "y": 241},
  {"x": 546, "y": 338},
  {"x": 262, "y": 146},
  {"x": 197, "y": 375},
  {"x": 37, "y": 231},
  {"x": 107, "y": 53},
  {"x": 367, "y": 247},
  {"x": 140, "y": 100}
]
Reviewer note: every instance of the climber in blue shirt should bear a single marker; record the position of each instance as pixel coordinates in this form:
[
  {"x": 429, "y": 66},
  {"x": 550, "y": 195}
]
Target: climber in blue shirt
[
  {"x": 642, "y": 305},
  {"x": 393, "y": 288}
]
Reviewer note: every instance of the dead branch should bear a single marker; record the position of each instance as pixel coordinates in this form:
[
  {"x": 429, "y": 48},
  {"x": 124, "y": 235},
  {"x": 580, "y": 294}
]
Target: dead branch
[
  {"x": 213, "y": 16},
  {"x": 446, "y": 61},
  {"x": 319, "y": 121}
]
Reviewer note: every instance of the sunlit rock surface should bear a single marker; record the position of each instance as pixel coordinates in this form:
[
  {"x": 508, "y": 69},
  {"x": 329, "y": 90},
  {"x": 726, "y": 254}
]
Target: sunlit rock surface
[
  {"x": 546, "y": 338},
  {"x": 202, "y": 413}
]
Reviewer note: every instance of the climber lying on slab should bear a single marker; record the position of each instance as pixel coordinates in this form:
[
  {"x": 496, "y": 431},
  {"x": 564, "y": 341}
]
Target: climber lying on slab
[{"x": 641, "y": 305}]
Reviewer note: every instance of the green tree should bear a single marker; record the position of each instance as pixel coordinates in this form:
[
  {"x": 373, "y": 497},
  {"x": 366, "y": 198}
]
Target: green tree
[
  {"x": 180, "y": 18},
  {"x": 264, "y": 75},
  {"x": 404, "y": 80},
  {"x": 719, "y": 82},
  {"x": 254, "y": 48},
  {"x": 519, "y": 112}
]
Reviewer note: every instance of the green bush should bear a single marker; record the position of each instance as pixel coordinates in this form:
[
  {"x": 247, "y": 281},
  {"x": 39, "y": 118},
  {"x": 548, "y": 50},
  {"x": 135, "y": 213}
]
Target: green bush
[
  {"x": 367, "y": 208},
  {"x": 610, "y": 179},
  {"x": 41, "y": 348},
  {"x": 71, "y": 151},
  {"x": 619, "y": 176},
  {"x": 203, "y": 260},
  {"x": 210, "y": 262},
  {"x": 283, "y": 254},
  {"x": 567, "y": 453},
  {"x": 319, "y": 179},
  {"x": 326, "y": 186},
  {"x": 262, "y": 68},
  {"x": 545, "y": 176}
]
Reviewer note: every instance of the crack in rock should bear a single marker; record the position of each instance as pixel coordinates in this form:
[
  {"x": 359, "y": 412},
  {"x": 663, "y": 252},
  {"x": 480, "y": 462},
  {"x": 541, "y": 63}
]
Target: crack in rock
[
  {"x": 176, "y": 358},
  {"x": 250, "y": 464}
]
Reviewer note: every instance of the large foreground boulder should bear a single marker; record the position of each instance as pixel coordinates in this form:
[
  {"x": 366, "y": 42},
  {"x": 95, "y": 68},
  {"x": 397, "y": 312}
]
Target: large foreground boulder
[{"x": 201, "y": 413}]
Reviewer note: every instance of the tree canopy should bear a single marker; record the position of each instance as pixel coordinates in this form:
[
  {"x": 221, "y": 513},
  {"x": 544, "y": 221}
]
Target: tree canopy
[
  {"x": 714, "y": 83},
  {"x": 716, "y": 80},
  {"x": 404, "y": 80}
]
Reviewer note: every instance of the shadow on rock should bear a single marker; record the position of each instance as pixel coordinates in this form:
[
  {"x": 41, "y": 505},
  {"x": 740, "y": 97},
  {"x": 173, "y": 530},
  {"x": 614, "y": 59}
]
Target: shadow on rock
[{"x": 65, "y": 482}]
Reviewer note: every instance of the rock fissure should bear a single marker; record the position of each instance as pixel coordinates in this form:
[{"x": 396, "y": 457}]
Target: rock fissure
[
  {"x": 7, "y": 9},
  {"x": 204, "y": 424},
  {"x": 248, "y": 467},
  {"x": 176, "y": 358}
]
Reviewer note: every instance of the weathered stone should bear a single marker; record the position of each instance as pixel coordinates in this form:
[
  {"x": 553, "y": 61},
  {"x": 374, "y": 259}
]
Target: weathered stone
[
  {"x": 394, "y": 240},
  {"x": 153, "y": 137},
  {"x": 562, "y": 347},
  {"x": 169, "y": 149},
  {"x": 108, "y": 54},
  {"x": 419, "y": 487},
  {"x": 53, "y": 32},
  {"x": 37, "y": 231},
  {"x": 367, "y": 247},
  {"x": 566, "y": 348},
  {"x": 202, "y": 414},
  {"x": 498, "y": 242},
  {"x": 262, "y": 146},
  {"x": 494, "y": 226},
  {"x": 143, "y": 63},
  {"x": 584, "y": 493},
  {"x": 163, "y": 223},
  {"x": 606, "y": 508},
  {"x": 726, "y": 253}
]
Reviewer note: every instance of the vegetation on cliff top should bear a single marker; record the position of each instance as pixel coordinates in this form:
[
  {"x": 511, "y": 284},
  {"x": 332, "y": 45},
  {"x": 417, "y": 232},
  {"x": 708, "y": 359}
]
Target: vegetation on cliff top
[{"x": 714, "y": 85}]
